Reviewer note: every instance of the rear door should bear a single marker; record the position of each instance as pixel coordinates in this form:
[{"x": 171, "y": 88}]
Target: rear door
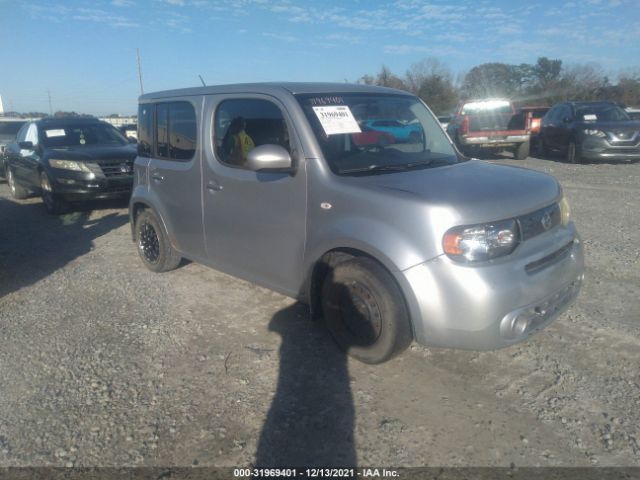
[
  {"x": 174, "y": 173},
  {"x": 255, "y": 222}
]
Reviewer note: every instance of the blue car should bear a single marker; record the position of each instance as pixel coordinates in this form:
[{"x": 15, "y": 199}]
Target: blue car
[{"x": 403, "y": 132}]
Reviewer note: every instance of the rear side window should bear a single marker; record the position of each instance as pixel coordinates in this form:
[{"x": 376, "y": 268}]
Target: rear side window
[
  {"x": 182, "y": 131},
  {"x": 176, "y": 130},
  {"x": 145, "y": 130},
  {"x": 162, "y": 130},
  {"x": 243, "y": 124}
]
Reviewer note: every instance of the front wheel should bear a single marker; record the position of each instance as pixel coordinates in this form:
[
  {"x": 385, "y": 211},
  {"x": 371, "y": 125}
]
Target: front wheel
[
  {"x": 154, "y": 247},
  {"x": 573, "y": 152},
  {"x": 53, "y": 202},
  {"x": 17, "y": 191},
  {"x": 365, "y": 311}
]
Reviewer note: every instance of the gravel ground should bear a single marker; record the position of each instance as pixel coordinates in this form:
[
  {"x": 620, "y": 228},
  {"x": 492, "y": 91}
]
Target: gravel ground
[{"x": 103, "y": 363}]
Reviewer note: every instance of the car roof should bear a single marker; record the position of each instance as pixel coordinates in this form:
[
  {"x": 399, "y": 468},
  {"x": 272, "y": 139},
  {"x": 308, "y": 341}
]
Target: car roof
[
  {"x": 273, "y": 88},
  {"x": 591, "y": 103},
  {"x": 64, "y": 121}
]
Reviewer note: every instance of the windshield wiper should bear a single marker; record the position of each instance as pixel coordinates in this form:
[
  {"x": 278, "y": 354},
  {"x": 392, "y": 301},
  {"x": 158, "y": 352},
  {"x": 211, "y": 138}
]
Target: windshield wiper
[{"x": 394, "y": 167}]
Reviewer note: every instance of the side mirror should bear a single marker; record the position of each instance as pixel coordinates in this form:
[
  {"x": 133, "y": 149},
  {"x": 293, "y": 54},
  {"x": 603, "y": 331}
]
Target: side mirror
[
  {"x": 132, "y": 140},
  {"x": 25, "y": 145},
  {"x": 269, "y": 158}
]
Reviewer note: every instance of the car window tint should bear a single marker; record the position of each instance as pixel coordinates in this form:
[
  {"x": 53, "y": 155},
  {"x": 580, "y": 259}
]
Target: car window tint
[
  {"x": 162, "y": 127},
  {"x": 182, "y": 131},
  {"x": 145, "y": 130},
  {"x": 32, "y": 134},
  {"x": 243, "y": 124},
  {"x": 22, "y": 134}
]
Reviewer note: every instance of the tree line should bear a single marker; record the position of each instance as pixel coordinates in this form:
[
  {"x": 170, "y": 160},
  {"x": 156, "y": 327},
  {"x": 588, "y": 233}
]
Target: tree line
[{"x": 544, "y": 83}]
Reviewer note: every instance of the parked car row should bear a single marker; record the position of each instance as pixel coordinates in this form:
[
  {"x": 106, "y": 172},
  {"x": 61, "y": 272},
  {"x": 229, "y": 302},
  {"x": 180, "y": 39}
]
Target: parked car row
[
  {"x": 69, "y": 159},
  {"x": 590, "y": 131},
  {"x": 350, "y": 198}
]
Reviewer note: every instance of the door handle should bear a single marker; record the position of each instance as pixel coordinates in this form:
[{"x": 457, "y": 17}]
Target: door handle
[
  {"x": 213, "y": 186},
  {"x": 157, "y": 177}
]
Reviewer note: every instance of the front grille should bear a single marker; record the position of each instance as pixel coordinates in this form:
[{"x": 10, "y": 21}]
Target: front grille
[
  {"x": 538, "y": 222},
  {"x": 624, "y": 134},
  {"x": 118, "y": 167}
]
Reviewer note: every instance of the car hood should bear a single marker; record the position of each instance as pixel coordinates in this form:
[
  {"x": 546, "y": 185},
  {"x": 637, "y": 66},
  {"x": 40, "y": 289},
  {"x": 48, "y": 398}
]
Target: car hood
[
  {"x": 477, "y": 191},
  {"x": 92, "y": 153}
]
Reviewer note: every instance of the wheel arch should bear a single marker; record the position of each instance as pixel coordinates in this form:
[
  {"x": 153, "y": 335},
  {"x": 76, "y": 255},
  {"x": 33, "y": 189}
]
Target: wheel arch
[{"x": 321, "y": 267}]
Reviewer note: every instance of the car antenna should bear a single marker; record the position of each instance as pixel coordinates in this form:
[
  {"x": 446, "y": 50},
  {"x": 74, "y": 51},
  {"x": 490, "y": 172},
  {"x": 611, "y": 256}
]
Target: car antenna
[
  {"x": 203, "y": 84},
  {"x": 139, "y": 71}
]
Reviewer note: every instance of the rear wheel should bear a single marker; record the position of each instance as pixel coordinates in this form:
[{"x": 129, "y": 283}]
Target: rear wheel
[
  {"x": 16, "y": 190},
  {"x": 154, "y": 247},
  {"x": 521, "y": 151},
  {"x": 53, "y": 202},
  {"x": 364, "y": 310}
]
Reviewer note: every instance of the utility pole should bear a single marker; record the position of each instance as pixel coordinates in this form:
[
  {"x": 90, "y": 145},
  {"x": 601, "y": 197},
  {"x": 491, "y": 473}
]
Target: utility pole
[
  {"x": 50, "y": 108},
  {"x": 139, "y": 71}
]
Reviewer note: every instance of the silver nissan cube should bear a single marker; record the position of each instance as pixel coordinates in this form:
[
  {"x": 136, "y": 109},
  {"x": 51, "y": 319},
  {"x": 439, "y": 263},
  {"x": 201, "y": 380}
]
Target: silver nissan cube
[{"x": 352, "y": 199}]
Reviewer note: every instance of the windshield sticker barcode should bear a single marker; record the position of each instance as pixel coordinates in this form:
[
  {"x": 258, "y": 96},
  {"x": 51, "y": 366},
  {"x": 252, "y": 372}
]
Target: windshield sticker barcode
[{"x": 336, "y": 120}]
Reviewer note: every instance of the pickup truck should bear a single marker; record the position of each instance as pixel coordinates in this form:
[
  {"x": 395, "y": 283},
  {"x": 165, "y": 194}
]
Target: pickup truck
[{"x": 492, "y": 124}]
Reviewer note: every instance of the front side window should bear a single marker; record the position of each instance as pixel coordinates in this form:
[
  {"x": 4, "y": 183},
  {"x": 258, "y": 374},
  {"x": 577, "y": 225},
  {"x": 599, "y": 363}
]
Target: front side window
[
  {"x": 376, "y": 133},
  {"x": 243, "y": 124},
  {"x": 79, "y": 135}
]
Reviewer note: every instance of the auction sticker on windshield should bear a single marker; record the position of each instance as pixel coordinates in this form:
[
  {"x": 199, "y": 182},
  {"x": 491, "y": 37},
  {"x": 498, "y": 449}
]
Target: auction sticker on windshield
[
  {"x": 59, "y": 132},
  {"x": 335, "y": 120}
]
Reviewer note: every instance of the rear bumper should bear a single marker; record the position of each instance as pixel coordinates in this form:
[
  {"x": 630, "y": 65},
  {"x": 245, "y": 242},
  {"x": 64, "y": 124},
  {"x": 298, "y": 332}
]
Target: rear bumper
[
  {"x": 493, "y": 141},
  {"x": 494, "y": 305}
]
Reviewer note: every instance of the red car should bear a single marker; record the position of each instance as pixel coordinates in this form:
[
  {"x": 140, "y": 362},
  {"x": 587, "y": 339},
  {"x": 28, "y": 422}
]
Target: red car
[{"x": 369, "y": 137}]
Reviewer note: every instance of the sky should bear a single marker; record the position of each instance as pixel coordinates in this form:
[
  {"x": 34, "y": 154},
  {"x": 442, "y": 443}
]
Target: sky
[{"x": 82, "y": 54}]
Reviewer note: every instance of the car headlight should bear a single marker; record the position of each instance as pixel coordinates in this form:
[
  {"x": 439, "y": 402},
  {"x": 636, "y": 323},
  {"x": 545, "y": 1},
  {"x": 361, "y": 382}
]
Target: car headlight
[
  {"x": 565, "y": 211},
  {"x": 594, "y": 132},
  {"x": 69, "y": 165},
  {"x": 477, "y": 243}
]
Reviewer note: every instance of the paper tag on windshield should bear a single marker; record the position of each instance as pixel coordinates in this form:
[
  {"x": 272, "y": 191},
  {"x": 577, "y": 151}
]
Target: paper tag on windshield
[
  {"x": 590, "y": 117},
  {"x": 55, "y": 133},
  {"x": 335, "y": 120}
]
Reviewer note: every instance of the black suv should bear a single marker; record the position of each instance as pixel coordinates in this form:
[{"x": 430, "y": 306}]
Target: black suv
[
  {"x": 590, "y": 131},
  {"x": 69, "y": 159}
]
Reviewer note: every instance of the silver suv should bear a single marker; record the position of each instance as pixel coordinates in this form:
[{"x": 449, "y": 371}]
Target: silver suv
[{"x": 388, "y": 234}]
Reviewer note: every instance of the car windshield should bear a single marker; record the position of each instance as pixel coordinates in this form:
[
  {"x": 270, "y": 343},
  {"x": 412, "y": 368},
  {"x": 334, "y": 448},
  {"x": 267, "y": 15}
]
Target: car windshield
[
  {"x": 602, "y": 113},
  {"x": 376, "y": 133},
  {"x": 81, "y": 135},
  {"x": 10, "y": 128}
]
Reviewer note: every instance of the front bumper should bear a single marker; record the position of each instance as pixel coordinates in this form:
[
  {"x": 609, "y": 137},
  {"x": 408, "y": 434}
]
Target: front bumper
[
  {"x": 497, "y": 304},
  {"x": 601, "y": 149},
  {"x": 75, "y": 186}
]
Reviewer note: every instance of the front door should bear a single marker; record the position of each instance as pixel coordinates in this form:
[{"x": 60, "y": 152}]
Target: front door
[{"x": 254, "y": 222}]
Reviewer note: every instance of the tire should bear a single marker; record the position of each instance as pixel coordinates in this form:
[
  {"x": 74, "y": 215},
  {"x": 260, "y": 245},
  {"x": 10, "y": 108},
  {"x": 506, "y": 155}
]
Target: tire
[
  {"x": 543, "y": 149},
  {"x": 53, "y": 202},
  {"x": 521, "y": 152},
  {"x": 573, "y": 152},
  {"x": 17, "y": 191},
  {"x": 153, "y": 245},
  {"x": 365, "y": 311}
]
